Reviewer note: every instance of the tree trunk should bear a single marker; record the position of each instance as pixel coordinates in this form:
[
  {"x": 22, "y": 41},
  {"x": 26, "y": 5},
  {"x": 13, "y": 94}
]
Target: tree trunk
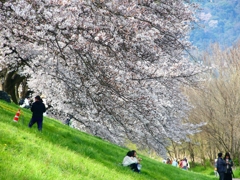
[{"x": 11, "y": 84}]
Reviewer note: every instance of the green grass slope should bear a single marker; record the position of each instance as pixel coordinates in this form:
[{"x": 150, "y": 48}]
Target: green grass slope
[{"x": 63, "y": 153}]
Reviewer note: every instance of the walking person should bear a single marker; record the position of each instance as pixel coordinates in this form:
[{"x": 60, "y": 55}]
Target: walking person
[
  {"x": 221, "y": 166},
  {"x": 229, "y": 162},
  {"x": 38, "y": 108}
]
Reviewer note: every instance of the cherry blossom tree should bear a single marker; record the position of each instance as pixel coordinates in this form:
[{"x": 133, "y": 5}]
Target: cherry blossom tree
[
  {"x": 116, "y": 66},
  {"x": 10, "y": 80}
]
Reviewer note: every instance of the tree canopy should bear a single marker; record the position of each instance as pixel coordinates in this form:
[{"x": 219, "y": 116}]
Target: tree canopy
[{"x": 116, "y": 66}]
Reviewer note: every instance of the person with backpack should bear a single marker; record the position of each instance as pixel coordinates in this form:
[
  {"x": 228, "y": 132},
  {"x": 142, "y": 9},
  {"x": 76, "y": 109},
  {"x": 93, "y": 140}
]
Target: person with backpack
[
  {"x": 221, "y": 166},
  {"x": 229, "y": 162}
]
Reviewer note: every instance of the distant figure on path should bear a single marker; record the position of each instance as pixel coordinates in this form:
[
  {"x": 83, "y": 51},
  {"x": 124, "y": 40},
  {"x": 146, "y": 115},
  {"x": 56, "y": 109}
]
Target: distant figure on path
[
  {"x": 221, "y": 166},
  {"x": 67, "y": 121},
  {"x": 38, "y": 108}
]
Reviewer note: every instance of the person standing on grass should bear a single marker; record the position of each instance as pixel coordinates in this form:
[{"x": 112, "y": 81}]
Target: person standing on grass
[
  {"x": 229, "y": 162},
  {"x": 221, "y": 166},
  {"x": 38, "y": 108}
]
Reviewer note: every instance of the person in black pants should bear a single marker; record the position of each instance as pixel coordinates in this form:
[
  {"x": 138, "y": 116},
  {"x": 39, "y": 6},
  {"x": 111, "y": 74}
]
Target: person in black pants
[
  {"x": 229, "y": 162},
  {"x": 221, "y": 166},
  {"x": 38, "y": 108}
]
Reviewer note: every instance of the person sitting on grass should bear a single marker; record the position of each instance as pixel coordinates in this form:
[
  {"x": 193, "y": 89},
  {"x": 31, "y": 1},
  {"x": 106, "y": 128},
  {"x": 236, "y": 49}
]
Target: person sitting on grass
[
  {"x": 131, "y": 161},
  {"x": 175, "y": 163}
]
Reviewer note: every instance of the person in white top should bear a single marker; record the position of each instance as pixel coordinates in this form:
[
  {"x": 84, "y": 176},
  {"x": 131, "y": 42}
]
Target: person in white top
[
  {"x": 129, "y": 159},
  {"x": 132, "y": 161}
]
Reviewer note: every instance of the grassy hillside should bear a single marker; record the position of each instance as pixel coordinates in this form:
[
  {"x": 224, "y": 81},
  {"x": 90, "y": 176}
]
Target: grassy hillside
[{"x": 63, "y": 153}]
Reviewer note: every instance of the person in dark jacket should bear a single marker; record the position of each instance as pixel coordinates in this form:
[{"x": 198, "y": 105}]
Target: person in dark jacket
[
  {"x": 229, "y": 162},
  {"x": 221, "y": 166},
  {"x": 38, "y": 108}
]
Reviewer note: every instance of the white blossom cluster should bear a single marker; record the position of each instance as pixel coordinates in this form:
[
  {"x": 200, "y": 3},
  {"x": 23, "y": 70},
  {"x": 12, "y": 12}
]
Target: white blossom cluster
[{"x": 116, "y": 66}]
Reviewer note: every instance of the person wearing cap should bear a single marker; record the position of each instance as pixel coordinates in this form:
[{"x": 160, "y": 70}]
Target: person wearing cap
[{"x": 38, "y": 108}]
